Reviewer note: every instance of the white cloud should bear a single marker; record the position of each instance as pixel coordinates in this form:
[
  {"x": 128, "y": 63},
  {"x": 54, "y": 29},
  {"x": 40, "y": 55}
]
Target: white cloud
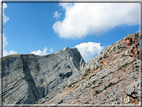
[
  {"x": 51, "y": 50},
  {"x": 4, "y": 6},
  {"x": 66, "y": 5},
  {"x": 5, "y": 53},
  {"x": 56, "y": 14},
  {"x": 82, "y": 19},
  {"x": 5, "y": 43},
  {"x": 89, "y": 50},
  {"x": 5, "y": 18},
  {"x": 39, "y": 52}
]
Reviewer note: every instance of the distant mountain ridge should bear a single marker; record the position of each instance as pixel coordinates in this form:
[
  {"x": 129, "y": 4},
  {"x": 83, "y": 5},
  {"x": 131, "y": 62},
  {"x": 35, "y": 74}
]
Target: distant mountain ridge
[{"x": 63, "y": 77}]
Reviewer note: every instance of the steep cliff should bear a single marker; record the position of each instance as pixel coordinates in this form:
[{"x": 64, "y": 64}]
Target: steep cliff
[
  {"x": 28, "y": 78},
  {"x": 112, "y": 77}
]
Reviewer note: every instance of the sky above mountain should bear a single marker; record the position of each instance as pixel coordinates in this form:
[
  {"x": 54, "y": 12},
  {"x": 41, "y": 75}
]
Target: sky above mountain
[{"x": 44, "y": 28}]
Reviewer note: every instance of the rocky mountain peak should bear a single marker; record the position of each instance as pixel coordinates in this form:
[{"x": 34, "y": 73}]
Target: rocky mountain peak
[
  {"x": 28, "y": 77},
  {"x": 110, "y": 78},
  {"x": 63, "y": 77},
  {"x": 66, "y": 48}
]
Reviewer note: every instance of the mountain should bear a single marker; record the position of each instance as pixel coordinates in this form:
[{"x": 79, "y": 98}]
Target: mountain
[
  {"x": 28, "y": 77},
  {"x": 111, "y": 78},
  {"x": 63, "y": 77}
]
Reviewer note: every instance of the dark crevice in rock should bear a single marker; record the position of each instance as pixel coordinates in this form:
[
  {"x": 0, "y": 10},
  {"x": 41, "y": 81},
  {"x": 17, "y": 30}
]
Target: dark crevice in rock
[
  {"x": 67, "y": 75},
  {"x": 29, "y": 79},
  {"x": 34, "y": 77}
]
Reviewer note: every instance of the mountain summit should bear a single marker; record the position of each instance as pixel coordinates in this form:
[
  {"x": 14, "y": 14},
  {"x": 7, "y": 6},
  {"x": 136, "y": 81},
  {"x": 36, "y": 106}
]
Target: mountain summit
[
  {"x": 63, "y": 77},
  {"x": 110, "y": 78},
  {"x": 28, "y": 77}
]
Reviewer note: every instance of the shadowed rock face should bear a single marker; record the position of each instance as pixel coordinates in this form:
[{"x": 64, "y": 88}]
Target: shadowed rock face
[{"x": 28, "y": 78}]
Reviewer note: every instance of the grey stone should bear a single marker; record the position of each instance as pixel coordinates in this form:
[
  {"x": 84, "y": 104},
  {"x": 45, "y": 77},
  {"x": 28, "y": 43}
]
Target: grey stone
[
  {"x": 28, "y": 78},
  {"x": 130, "y": 89}
]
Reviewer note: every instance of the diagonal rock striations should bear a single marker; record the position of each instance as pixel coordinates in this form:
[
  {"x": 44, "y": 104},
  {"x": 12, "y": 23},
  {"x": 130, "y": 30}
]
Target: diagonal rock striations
[
  {"x": 28, "y": 78},
  {"x": 63, "y": 77},
  {"x": 112, "y": 77}
]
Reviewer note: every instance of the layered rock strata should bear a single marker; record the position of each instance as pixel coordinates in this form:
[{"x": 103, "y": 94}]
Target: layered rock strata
[
  {"x": 112, "y": 77},
  {"x": 28, "y": 77}
]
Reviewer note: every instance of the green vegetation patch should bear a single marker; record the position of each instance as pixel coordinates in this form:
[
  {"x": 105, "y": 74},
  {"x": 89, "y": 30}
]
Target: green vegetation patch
[
  {"x": 105, "y": 87},
  {"x": 46, "y": 97},
  {"x": 110, "y": 84},
  {"x": 125, "y": 65},
  {"x": 101, "y": 82},
  {"x": 137, "y": 66},
  {"x": 73, "y": 83},
  {"x": 107, "y": 56},
  {"x": 91, "y": 76},
  {"x": 94, "y": 81},
  {"x": 104, "y": 76},
  {"x": 114, "y": 49},
  {"x": 70, "y": 85},
  {"x": 60, "y": 101},
  {"x": 97, "y": 92},
  {"x": 97, "y": 67}
]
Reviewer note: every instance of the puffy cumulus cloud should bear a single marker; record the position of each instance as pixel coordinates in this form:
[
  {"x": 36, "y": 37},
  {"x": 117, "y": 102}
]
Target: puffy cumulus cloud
[
  {"x": 39, "y": 52},
  {"x": 4, "y": 5},
  {"x": 56, "y": 14},
  {"x": 5, "y": 43},
  {"x": 89, "y": 50},
  {"x": 82, "y": 19},
  {"x": 5, "y": 18},
  {"x": 51, "y": 50},
  {"x": 5, "y": 53}
]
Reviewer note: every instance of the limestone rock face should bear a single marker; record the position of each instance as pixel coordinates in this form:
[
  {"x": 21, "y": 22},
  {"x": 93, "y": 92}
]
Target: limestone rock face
[
  {"x": 27, "y": 78},
  {"x": 112, "y": 77}
]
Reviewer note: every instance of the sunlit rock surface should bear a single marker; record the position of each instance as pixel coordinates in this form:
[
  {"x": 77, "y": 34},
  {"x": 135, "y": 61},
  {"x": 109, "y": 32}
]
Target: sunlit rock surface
[
  {"x": 111, "y": 78},
  {"x": 28, "y": 78}
]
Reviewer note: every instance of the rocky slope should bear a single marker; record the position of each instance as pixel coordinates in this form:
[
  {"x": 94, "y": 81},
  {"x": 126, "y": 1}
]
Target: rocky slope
[
  {"x": 28, "y": 78},
  {"x": 112, "y": 77}
]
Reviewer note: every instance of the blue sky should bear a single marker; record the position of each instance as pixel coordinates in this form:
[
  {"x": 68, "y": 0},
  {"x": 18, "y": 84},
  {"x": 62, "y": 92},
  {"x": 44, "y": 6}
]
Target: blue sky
[{"x": 44, "y": 28}]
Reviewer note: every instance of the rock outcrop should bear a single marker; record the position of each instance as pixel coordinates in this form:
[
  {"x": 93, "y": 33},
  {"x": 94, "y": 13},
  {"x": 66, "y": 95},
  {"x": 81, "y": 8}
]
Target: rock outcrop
[
  {"x": 112, "y": 77},
  {"x": 27, "y": 78}
]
